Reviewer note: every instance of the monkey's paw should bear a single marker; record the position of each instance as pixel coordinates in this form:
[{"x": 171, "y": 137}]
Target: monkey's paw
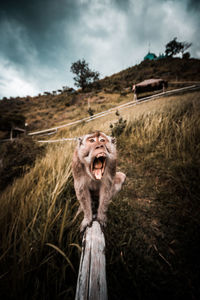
[
  {"x": 122, "y": 177},
  {"x": 86, "y": 222},
  {"x": 102, "y": 219}
]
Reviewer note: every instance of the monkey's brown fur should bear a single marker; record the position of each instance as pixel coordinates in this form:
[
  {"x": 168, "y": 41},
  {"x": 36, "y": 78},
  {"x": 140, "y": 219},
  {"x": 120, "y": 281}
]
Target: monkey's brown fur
[{"x": 95, "y": 176}]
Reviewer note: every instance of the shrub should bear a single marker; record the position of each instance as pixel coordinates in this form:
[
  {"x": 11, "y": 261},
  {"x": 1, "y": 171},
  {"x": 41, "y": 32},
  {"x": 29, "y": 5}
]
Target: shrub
[
  {"x": 10, "y": 120},
  {"x": 90, "y": 111},
  {"x": 118, "y": 128},
  {"x": 16, "y": 157}
]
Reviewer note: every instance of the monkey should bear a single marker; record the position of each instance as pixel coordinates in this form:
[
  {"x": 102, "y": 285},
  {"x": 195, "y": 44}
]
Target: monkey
[{"x": 95, "y": 177}]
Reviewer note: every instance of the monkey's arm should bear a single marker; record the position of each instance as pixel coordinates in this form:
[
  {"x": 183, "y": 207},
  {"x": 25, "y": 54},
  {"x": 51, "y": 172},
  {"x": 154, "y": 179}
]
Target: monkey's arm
[
  {"x": 104, "y": 200},
  {"x": 84, "y": 198},
  {"x": 82, "y": 191}
]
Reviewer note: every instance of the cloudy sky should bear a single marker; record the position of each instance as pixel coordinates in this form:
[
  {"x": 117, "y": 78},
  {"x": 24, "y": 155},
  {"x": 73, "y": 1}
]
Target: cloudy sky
[{"x": 40, "y": 39}]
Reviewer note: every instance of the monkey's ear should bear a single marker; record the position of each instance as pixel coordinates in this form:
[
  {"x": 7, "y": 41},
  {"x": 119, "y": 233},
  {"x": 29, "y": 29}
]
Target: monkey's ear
[
  {"x": 80, "y": 140},
  {"x": 113, "y": 140}
]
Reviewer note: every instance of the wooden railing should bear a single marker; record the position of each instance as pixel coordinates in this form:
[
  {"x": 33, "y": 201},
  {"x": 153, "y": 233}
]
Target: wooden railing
[{"x": 113, "y": 109}]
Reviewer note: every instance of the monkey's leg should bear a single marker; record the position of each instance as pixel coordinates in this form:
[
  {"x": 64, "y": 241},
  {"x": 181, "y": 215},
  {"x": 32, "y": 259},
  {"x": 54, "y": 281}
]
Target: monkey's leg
[
  {"x": 104, "y": 200},
  {"x": 105, "y": 195}
]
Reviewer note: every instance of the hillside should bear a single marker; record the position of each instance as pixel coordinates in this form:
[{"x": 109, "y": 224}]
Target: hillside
[
  {"x": 175, "y": 70},
  {"x": 44, "y": 111},
  {"x": 152, "y": 235}
]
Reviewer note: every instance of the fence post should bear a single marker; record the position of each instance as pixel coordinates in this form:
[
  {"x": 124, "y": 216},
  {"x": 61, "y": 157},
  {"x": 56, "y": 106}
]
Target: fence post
[
  {"x": 91, "y": 282},
  {"x": 11, "y": 134}
]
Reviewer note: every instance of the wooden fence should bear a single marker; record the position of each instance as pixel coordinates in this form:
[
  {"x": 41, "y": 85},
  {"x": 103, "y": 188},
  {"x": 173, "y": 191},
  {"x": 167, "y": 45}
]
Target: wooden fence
[
  {"x": 113, "y": 109},
  {"x": 91, "y": 282}
]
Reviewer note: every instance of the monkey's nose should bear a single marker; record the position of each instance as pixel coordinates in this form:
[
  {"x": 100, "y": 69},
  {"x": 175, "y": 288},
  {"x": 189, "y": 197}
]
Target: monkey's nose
[{"x": 99, "y": 146}]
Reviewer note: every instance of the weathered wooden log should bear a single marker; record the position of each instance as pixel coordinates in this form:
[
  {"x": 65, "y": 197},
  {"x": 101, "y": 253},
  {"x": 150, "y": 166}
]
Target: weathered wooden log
[{"x": 91, "y": 283}]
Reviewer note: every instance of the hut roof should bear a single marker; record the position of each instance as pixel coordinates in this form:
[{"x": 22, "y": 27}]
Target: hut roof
[{"x": 150, "y": 82}]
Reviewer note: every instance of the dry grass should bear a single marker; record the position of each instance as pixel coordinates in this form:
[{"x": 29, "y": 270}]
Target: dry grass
[
  {"x": 35, "y": 211},
  {"x": 153, "y": 223}
]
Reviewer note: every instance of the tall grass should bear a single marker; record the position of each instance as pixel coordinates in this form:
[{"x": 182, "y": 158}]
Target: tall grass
[
  {"x": 36, "y": 214},
  {"x": 152, "y": 223},
  {"x": 152, "y": 235}
]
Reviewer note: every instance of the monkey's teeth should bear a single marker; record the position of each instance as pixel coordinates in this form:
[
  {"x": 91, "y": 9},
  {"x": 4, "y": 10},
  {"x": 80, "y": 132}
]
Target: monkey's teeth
[{"x": 100, "y": 155}]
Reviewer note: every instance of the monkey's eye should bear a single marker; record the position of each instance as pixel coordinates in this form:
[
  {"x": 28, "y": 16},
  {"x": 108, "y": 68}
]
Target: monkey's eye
[
  {"x": 91, "y": 140},
  {"x": 102, "y": 140}
]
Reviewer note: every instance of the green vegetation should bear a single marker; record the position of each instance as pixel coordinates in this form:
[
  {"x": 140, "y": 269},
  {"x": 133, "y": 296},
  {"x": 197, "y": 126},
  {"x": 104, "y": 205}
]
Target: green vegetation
[{"x": 152, "y": 236}]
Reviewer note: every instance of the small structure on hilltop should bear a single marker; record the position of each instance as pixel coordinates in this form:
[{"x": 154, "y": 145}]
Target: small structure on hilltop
[
  {"x": 16, "y": 132},
  {"x": 149, "y": 85},
  {"x": 150, "y": 56}
]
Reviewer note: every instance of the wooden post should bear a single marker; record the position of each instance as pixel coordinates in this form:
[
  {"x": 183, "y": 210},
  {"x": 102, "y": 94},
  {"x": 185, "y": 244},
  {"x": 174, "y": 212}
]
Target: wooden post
[
  {"x": 11, "y": 134},
  {"x": 91, "y": 282},
  {"x": 88, "y": 101},
  {"x": 163, "y": 88},
  {"x": 135, "y": 96}
]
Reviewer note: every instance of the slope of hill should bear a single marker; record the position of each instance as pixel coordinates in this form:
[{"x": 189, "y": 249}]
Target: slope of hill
[
  {"x": 175, "y": 70},
  {"x": 152, "y": 235},
  {"x": 46, "y": 110}
]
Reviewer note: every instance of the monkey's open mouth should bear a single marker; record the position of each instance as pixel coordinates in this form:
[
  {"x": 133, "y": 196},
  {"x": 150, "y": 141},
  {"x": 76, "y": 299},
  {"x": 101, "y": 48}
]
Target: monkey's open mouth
[{"x": 98, "y": 166}]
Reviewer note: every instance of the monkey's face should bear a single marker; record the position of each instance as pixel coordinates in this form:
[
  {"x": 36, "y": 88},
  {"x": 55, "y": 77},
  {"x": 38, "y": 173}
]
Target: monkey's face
[{"x": 96, "y": 152}]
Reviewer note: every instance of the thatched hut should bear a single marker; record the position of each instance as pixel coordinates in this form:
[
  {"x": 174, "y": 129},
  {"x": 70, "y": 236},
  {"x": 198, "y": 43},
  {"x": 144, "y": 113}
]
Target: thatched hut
[{"x": 149, "y": 85}]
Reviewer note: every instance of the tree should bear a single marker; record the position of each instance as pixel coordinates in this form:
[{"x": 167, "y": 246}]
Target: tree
[
  {"x": 174, "y": 47},
  {"x": 84, "y": 76},
  {"x": 186, "y": 55},
  {"x": 185, "y": 46}
]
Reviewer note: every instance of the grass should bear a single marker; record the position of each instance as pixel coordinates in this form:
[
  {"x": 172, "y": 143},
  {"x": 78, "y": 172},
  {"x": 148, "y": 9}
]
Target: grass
[
  {"x": 35, "y": 223},
  {"x": 155, "y": 240},
  {"x": 152, "y": 235}
]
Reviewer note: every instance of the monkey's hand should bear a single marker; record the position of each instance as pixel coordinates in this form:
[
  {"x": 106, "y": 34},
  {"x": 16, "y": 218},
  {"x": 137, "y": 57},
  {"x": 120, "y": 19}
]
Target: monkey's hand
[
  {"x": 102, "y": 218},
  {"x": 118, "y": 182},
  {"x": 86, "y": 222}
]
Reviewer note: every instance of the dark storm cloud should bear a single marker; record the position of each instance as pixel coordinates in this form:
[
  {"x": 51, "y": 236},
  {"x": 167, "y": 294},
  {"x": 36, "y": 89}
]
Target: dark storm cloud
[
  {"x": 36, "y": 41},
  {"x": 41, "y": 21},
  {"x": 37, "y": 15},
  {"x": 41, "y": 38},
  {"x": 194, "y": 4}
]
